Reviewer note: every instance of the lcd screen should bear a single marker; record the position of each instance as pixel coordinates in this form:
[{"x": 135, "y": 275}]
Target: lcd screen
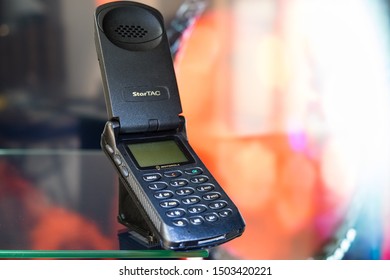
[{"x": 157, "y": 153}]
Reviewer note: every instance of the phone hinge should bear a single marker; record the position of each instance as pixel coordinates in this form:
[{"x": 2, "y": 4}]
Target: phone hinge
[{"x": 152, "y": 125}]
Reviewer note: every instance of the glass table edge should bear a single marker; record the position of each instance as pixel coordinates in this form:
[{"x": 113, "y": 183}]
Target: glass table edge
[{"x": 102, "y": 254}]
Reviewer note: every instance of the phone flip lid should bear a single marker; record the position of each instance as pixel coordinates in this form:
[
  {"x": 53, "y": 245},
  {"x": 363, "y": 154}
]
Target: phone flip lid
[{"x": 139, "y": 81}]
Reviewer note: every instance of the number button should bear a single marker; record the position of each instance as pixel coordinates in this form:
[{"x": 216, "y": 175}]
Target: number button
[
  {"x": 193, "y": 171},
  {"x": 184, "y": 191},
  {"x": 225, "y": 213},
  {"x": 178, "y": 183},
  {"x": 172, "y": 174},
  {"x": 169, "y": 204},
  {"x": 217, "y": 205},
  {"x": 179, "y": 222},
  {"x": 175, "y": 213},
  {"x": 162, "y": 195},
  {"x": 211, "y": 218},
  {"x": 196, "y": 221},
  {"x": 157, "y": 186},
  {"x": 199, "y": 179},
  {"x": 151, "y": 177},
  {"x": 205, "y": 188},
  {"x": 190, "y": 200},
  {"x": 196, "y": 209},
  {"x": 211, "y": 196}
]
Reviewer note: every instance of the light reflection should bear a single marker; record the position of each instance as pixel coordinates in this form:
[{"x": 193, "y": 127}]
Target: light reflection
[{"x": 308, "y": 83}]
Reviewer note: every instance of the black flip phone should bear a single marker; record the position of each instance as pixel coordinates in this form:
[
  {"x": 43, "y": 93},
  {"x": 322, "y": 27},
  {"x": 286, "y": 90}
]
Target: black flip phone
[{"x": 165, "y": 187}]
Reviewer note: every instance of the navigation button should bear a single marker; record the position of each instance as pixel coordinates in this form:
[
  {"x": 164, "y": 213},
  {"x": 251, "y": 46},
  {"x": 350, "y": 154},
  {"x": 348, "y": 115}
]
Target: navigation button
[
  {"x": 151, "y": 177},
  {"x": 172, "y": 174},
  {"x": 193, "y": 171}
]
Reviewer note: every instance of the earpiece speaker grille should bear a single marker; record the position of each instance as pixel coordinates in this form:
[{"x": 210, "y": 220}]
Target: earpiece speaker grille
[{"x": 131, "y": 31}]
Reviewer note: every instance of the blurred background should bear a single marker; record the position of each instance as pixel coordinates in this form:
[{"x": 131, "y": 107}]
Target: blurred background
[{"x": 287, "y": 102}]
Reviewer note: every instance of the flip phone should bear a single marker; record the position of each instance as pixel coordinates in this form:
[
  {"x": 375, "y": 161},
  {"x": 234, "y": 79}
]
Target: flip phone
[{"x": 167, "y": 194}]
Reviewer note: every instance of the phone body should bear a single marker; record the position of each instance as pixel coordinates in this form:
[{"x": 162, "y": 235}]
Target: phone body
[{"x": 167, "y": 194}]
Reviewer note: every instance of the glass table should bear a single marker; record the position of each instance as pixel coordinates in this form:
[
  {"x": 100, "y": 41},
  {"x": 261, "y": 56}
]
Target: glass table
[{"x": 63, "y": 204}]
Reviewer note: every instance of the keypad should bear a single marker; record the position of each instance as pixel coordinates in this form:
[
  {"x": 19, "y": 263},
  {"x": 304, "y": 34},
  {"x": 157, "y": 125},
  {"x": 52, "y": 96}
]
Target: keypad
[{"x": 189, "y": 197}]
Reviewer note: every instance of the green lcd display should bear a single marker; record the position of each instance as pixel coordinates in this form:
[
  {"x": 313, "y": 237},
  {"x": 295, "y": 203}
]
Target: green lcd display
[{"x": 157, "y": 153}]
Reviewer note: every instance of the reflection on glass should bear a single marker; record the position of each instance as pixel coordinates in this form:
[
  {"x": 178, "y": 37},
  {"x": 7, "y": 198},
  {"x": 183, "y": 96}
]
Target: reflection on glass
[{"x": 294, "y": 99}]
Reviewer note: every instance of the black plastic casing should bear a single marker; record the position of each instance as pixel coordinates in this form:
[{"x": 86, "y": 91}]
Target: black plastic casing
[
  {"x": 171, "y": 237},
  {"x": 139, "y": 81},
  {"x": 143, "y": 104}
]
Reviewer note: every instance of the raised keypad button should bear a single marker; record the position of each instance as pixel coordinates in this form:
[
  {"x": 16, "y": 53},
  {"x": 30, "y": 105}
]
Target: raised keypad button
[
  {"x": 117, "y": 159},
  {"x": 196, "y": 221},
  {"x": 211, "y": 196},
  {"x": 211, "y": 217},
  {"x": 199, "y": 179},
  {"x": 151, "y": 177},
  {"x": 175, "y": 213},
  {"x": 172, "y": 174},
  {"x": 184, "y": 191},
  {"x": 205, "y": 188},
  {"x": 157, "y": 186},
  {"x": 124, "y": 171},
  {"x": 196, "y": 209},
  {"x": 178, "y": 183},
  {"x": 225, "y": 213},
  {"x": 180, "y": 222},
  {"x": 193, "y": 171},
  {"x": 190, "y": 200},
  {"x": 217, "y": 205},
  {"x": 169, "y": 204},
  {"x": 163, "y": 195},
  {"x": 109, "y": 149}
]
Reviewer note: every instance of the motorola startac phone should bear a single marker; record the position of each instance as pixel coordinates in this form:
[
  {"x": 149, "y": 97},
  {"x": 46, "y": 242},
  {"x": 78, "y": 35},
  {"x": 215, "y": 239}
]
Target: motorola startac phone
[{"x": 166, "y": 193}]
